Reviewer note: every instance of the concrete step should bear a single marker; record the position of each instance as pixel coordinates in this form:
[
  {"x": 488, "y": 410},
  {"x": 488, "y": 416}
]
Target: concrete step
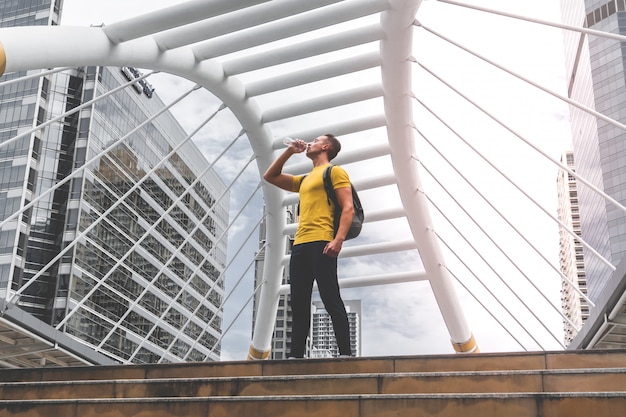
[
  {"x": 426, "y": 363},
  {"x": 600, "y": 380},
  {"x": 542, "y": 384},
  {"x": 579, "y": 404}
]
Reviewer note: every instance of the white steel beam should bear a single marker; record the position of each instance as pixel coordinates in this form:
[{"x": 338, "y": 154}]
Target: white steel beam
[
  {"x": 308, "y": 75},
  {"x": 372, "y": 216},
  {"x": 314, "y": 104},
  {"x": 381, "y": 180},
  {"x": 233, "y": 22},
  {"x": 343, "y": 127},
  {"x": 368, "y": 281},
  {"x": 317, "y": 19},
  {"x": 372, "y": 249},
  {"x": 396, "y": 76},
  {"x": 378, "y": 248},
  {"x": 305, "y": 49},
  {"x": 170, "y": 17}
]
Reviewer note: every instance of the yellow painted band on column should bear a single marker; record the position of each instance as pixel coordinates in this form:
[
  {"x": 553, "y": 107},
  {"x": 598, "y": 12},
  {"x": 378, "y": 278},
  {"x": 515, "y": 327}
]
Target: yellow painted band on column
[
  {"x": 255, "y": 354},
  {"x": 468, "y": 346},
  {"x": 3, "y": 59}
]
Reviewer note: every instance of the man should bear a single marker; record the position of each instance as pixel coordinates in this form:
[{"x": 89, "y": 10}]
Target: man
[{"x": 316, "y": 246}]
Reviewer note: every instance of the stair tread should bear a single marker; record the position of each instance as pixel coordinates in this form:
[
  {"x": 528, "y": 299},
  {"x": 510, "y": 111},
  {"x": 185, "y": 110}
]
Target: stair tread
[
  {"x": 430, "y": 363},
  {"x": 426, "y": 374},
  {"x": 490, "y": 385},
  {"x": 501, "y": 395}
]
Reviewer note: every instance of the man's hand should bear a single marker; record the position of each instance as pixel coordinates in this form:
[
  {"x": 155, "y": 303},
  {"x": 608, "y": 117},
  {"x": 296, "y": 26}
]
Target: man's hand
[
  {"x": 333, "y": 248},
  {"x": 297, "y": 146}
]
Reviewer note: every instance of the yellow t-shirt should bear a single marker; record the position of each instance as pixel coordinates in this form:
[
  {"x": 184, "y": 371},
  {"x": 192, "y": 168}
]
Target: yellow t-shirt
[{"x": 316, "y": 214}]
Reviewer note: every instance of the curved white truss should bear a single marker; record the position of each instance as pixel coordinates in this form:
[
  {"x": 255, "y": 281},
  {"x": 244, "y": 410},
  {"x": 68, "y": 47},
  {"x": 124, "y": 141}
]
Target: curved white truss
[
  {"x": 191, "y": 40},
  {"x": 222, "y": 46}
]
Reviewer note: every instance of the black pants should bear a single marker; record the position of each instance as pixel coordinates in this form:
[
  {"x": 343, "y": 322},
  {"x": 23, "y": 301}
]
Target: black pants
[{"x": 308, "y": 264}]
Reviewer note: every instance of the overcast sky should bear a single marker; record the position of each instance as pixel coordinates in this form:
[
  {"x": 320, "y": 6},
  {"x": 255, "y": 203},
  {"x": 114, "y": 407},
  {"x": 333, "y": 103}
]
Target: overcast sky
[{"x": 404, "y": 319}]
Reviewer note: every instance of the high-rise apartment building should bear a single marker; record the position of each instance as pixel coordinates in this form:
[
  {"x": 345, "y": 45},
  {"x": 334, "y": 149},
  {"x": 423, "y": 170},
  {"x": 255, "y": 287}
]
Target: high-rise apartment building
[
  {"x": 596, "y": 79},
  {"x": 571, "y": 257},
  {"x": 322, "y": 337},
  {"x": 123, "y": 259}
]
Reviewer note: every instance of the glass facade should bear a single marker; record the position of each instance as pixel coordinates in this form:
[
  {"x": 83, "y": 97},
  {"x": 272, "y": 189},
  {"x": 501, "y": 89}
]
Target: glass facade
[
  {"x": 595, "y": 67},
  {"x": 128, "y": 256},
  {"x": 152, "y": 265},
  {"x": 29, "y": 12},
  {"x": 22, "y": 105}
]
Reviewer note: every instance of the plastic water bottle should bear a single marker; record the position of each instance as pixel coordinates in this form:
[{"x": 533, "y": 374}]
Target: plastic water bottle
[
  {"x": 288, "y": 141},
  {"x": 299, "y": 145}
]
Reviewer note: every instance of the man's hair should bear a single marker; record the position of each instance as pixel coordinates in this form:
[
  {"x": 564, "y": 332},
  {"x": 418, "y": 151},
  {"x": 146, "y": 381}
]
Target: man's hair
[{"x": 335, "y": 146}]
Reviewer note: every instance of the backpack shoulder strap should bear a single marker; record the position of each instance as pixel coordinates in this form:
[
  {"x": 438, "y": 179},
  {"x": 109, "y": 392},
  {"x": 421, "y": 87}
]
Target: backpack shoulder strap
[{"x": 328, "y": 186}]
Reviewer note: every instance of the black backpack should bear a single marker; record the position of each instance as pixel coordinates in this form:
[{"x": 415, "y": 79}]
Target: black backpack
[{"x": 359, "y": 215}]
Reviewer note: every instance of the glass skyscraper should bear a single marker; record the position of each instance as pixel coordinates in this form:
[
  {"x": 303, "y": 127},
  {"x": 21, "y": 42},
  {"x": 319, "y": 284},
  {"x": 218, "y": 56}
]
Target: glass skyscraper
[
  {"x": 128, "y": 256},
  {"x": 596, "y": 79}
]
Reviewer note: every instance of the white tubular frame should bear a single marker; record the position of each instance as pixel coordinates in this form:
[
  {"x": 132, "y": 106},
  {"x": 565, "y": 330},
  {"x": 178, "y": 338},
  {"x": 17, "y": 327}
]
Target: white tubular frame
[
  {"x": 396, "y": 75},
  {"x": 154, "y": 41}
]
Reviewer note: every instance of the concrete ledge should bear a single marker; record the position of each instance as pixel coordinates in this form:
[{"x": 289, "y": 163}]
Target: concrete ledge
[
  {"x": 441, "y": 405},
  {"x": 605, "y": 303},
  {"x": 21, "y": 319}
]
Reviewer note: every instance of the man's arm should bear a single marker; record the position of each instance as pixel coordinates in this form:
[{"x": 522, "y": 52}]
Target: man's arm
[
  {"x": 274, "y": 174},
  {"x": 344, "y": 199}
]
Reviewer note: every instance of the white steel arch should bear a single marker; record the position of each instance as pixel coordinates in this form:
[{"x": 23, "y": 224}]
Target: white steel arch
[{"x": 217, "y": 44}]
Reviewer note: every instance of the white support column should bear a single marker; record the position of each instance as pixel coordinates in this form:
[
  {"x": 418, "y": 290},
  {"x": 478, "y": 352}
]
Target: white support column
[
  {"x": 276, "y": 247},
  {"x": 396, "y": 75}
]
